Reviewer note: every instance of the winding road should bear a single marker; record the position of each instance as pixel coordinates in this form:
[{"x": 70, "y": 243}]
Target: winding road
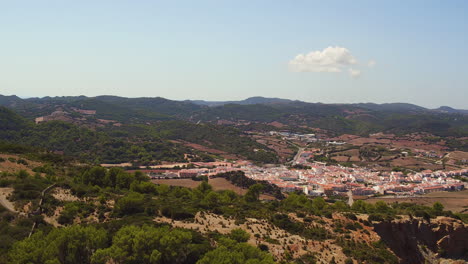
[{"x": 298, "y": 155}]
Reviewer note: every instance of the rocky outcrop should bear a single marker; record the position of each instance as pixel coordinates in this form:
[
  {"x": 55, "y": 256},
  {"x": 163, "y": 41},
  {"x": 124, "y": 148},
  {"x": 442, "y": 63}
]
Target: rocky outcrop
[{"x": 445, "y": 236}]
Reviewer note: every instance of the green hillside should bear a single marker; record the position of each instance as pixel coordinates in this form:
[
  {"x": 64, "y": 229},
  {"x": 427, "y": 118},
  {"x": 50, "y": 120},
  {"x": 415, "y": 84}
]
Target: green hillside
[{"x": 139, "y": 144}]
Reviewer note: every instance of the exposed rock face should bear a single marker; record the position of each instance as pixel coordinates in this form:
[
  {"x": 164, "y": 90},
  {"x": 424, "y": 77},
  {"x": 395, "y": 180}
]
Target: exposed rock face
[{"x": 443, "y": 235}]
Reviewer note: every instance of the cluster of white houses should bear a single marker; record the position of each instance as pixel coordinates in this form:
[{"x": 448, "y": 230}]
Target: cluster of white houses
[{"x": 321, "y": 179}]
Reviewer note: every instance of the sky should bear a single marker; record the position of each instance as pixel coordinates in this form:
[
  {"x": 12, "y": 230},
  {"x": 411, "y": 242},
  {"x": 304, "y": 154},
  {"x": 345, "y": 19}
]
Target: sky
[{"x": 315, "y": 51}]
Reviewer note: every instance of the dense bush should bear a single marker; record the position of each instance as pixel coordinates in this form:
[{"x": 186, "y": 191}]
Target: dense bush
[
  {"x": 68, "y": 245},
  {"x": 238, "y": 178},
  {"x": 132, "y": 203},
  {"x": 376, "y": 253},
  {"x": 74, "y": 209}
]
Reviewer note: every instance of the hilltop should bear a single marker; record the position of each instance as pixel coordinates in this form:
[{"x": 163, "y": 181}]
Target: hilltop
[{"x": 337, "y": 119}]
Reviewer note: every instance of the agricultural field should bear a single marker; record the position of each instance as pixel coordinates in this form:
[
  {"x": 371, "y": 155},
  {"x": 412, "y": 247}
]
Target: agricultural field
[
  {"x": 453, "y": 201},
  {"x": 283, "y": 149}
]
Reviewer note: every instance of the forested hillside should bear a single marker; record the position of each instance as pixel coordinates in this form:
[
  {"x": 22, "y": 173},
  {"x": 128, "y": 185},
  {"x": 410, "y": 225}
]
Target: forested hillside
[
  {"x": 112, "y": 129},
  {"x": 336, "y": 118},
  {"x": 138, "y": 144}
]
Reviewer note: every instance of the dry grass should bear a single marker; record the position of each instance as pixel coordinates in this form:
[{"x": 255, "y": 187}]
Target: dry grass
[
  {"x": 177, "y": 182},
  {"x": 52, "y": 220},
  {"x": 341, "y": 158},
  {"x": 64, "y": 195},
  {"x": 458, "y": 155},
  {"x": 12, "y": 167},
  {"x": 414, "y": 163},
  {"x": 206, "y": 149},
  {"x": 260, "y": 229},
  {"x": 453, "y": 201},
  {"x": 218, "y": 184}
]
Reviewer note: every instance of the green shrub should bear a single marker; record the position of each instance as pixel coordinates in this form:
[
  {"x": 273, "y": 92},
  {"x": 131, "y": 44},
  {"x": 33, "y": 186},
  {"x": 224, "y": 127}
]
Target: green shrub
[{"x": 22, "y": 161}]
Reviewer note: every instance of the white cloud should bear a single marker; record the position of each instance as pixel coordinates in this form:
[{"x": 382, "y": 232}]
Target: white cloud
[
  {"x": 331, "y": 59},
  {"x": 354, "y": 73},
  {"x": 371, "y": 63}
]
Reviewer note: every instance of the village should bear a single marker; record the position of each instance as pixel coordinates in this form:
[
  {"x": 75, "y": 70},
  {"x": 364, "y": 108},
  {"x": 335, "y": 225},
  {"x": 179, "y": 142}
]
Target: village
[
  {"x": 315, "y": 178},
  {"x": 325, "y": 180}
]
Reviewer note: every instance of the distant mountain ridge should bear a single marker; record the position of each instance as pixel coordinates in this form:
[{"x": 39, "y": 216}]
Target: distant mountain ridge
[
  {"x": 448, "y": 109},
  {"x": 248, "y": 101},
  {"x": 191, "y": 105},
  {"x": 396, "y": 107},
  {"x": 336, "y": 119}
]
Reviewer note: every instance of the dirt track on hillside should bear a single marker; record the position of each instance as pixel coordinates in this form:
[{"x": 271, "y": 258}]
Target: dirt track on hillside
[{"x": 4, "y": 192}]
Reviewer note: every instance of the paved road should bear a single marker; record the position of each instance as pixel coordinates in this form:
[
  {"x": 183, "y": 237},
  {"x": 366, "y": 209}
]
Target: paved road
[
  {"x": 350, "y": 198},
  {"x": 298, "y": 155}
]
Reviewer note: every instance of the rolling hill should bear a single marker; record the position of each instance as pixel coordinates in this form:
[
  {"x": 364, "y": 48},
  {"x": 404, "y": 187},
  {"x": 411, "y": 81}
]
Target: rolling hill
[{"x": 222, "y": 123}]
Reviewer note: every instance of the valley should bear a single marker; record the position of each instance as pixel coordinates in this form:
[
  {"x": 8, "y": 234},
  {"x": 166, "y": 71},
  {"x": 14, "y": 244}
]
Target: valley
[{"x": 267, "y": 181}]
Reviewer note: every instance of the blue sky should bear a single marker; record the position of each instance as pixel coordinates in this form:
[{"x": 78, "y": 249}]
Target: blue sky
[{"x": 229, "y": 50}]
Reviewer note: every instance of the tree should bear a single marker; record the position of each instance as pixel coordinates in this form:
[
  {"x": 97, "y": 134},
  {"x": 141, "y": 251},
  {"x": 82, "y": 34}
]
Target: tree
[
  {"x": 140, "y": 176},
  {"x": 212, "y": 200},
  {"x": 132, "y": 203},
  {"x": 319, "y": 203},
  {"x": 204, "y": 187},
  {"x": 359, "y": 206},
  {"x": 147, "y": 245},
  {"x": 237, "y": 254},
  {"x": 143, "y": 187},
  {"x": 22, "y": 174},
  {"x": 438, "y": 207},
  {"x": 239, "y": 235},
  {"x": 95, "y": 176},
  {"x": 68, "y": 245},
  {"x": 340, "y": 206},
  {"x": 253, "y": 194},
  {"x": 163, "y": 189},
  {"x": 296, "y": 201},
  {"x": 382, "y": 207},
  {"x": 124, "y": 180},
  {"x": 111, "y": 176}
]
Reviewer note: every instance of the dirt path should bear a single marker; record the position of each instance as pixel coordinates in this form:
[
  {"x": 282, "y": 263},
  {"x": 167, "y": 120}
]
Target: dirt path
[
  {"x": 4, "y": 192},
  {"x": 40, "y": 206}
]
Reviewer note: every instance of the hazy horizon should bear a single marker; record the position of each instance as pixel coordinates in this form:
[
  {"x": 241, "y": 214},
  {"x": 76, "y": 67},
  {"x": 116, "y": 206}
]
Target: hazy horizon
[
  {"x": 333, "y": 52},
  {"x": 229, "y": 100}
]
